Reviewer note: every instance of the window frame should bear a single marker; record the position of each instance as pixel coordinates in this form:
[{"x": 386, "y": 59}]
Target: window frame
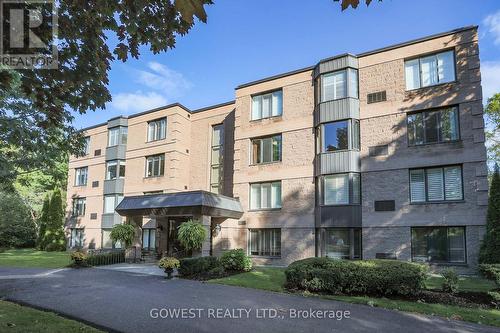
[
  {"x": 320, "y": 184},
  {"x": 447, "y": 227},
  {"x": 261, "y": 138},
  {"x": 161, "y": 157},
  {"x": 260, "y": 232},
  {"x": 116, "y": 203},
  {"x": 262, "y": 94},
  {"x": 149, "y": 230},
  {"x": 122, "y": 135},
  {"x": 155, "y": 123},
  {"x": 347, "y": 85},
  {"x": 113, "y": 244},
  {"x": 119, "y": 164},
  {"x": 86, "y": 148},
  {"x": 80, "y": 232},
  {"x": 77, "y": 176},
  {"x": 425, "y": 55},
  {"x": 219, "y": 183},
  {"x": 453, "y": 108},
  {"x": 351, "y": 139},
  {"x": 444, "y": 185},
  {"x": 352, "y": 236},
  {"x": 260, "y": 207},
  {"x": 74, "y": 206}
]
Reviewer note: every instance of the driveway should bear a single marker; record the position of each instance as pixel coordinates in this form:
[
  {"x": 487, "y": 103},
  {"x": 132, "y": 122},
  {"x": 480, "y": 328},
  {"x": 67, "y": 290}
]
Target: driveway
[{"x": 126, "y": 302}]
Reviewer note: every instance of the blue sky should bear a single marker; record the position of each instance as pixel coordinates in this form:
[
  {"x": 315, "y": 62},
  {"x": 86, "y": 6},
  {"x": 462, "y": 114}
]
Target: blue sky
[{"x": 249, "y": 40}]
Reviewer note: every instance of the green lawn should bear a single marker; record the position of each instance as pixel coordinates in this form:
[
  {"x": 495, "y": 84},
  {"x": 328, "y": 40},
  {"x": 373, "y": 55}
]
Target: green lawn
[
  {"x": 20, "y": 319},
  {"x": 33, "y": 258},
  {"x": 272, "y": 278}
]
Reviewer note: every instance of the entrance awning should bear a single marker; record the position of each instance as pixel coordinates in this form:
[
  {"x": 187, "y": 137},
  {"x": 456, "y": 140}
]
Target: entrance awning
[{"x": 181, "y": 203}]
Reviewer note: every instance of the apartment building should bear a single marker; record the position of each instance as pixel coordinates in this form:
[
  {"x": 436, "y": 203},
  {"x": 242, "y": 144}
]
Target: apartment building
[{"x": 374, "y": 155}]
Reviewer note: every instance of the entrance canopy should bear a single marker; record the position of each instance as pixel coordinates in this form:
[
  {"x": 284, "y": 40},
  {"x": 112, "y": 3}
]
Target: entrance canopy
[{"x": 181, "y": 203}]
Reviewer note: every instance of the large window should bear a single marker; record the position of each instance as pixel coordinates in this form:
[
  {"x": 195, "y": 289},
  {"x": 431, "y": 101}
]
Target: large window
[
  {"x": 157, "y": 129},
  {"x": 337, "y": 85},
  {"x": 76, "y": 238},
  {"x": 430, "y": 70},
  {"x": 117, "y": 135},
  {"x": 265, "y": 242},
  {"x": 340, "y": 189},
  {"x": 155, "y": 165},
  {"x": 110, "y": 202},
  {"x": 338, "y": 135},
  {"x": 266, "y": 149},
  {"x": 436, "y": 184},
  {"x": 81, "y": 176},
  {"x": 79, "y": 206},
  {"x": 148, "y": 239},
  {"x": 438, "y": 244},
  {"x": 433, "y": 126},
  {"x": 107, "y": 242},
  {"x": 86, "y": 147},
  {"x": 217, "y": 159},
  {"x": 267, "y": 105},
  {"x": 342, "y": 243},
  {"x": 115, "y": 169},
  {"x": 265, "y": 195}
]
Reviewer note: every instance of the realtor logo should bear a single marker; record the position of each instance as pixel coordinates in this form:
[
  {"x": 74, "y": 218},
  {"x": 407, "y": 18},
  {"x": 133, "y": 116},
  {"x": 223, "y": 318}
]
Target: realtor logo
[{"x": 28, "y": 34}]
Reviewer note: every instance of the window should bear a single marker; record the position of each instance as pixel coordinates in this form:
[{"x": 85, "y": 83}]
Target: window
[
  {"x": 338, "y": 135},
  {"x": 155, "y": 165},
  {"x": 148, "y": 239},
  {"x": 342, "y": 243},
  {"x": 430, "y": 70},
  {"x": 157, "y": 129},
  {"x": 436, "y": 184},
  {"x": 76, "y": 238},
  {"x": 265, "y": 242},
  {"x": 438, "y": 244},
  {"x": 115, "y": 169},
  {"x": 266, "y": 150},
  {"x": 265, "y": 195},
  {"x": 433, "y": 126},
  {"x": 340, "y": 189},
  {"x": 107, "y": 242},
  {"x": 153, "y": 192},
  {"x": 86, "y": 147},
  {"x": 117, "y": 136},
  {"x": 217, "y": 159},
  {"x": 267, "y": 105},
  {"x": 81, "y": 176},
  {"x": 110, "y": 202},
  {"x": 337, "y": 85},
  {"x": 79, "y": 207}
]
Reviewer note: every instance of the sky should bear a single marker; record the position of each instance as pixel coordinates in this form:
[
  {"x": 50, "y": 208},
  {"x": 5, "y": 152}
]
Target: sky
[{"x": 247, "y": 40}]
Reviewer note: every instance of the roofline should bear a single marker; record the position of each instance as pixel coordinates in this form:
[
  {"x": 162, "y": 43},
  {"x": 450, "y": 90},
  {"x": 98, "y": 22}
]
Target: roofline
[
  {"x": 206, "y": 108},
  {"x": 297, "y": 71}
]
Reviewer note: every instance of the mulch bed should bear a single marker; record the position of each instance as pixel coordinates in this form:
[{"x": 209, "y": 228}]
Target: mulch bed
[{"x": 463, "y": 299}]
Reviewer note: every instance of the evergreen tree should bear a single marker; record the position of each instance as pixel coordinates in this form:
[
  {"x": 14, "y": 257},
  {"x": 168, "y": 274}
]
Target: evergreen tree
[
  {"x": 42, "y": 222},
  {"x": 52, "y": 224},
  {"x": 490, "y": 249}
]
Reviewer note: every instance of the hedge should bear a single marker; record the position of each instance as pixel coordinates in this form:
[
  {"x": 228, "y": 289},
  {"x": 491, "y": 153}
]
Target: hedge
[
  {"x": 491, "y": 272},
  {"x": 371, "y": 277},
  {"x": 192, "y": 267},
  {"x": 236, "y": 260}
]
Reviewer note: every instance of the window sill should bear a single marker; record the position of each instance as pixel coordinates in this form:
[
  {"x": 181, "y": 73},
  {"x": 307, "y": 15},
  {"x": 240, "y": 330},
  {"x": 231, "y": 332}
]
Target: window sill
[
  {"x": 416, "y": 90},
  {"x": 264, "y": 257},
  {"x": 437, "y": 202},
  {"x": 265, "y": 210},
  {"x": 153, "y": 177},
  {"x": 80, "y": 185},
  {"x": 338, "y": 151},
  {"x": 337, "y": 99},
  {"x": 153, "y": 141},
  {"x": 435, "y": 143},
  {"x": 272, "y": 117},
  {"x": 340, "y": 205},
  {"x": 265, "y": 163}
]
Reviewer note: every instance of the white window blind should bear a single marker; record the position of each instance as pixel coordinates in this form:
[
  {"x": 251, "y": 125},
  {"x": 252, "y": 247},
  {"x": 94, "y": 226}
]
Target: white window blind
[
  {"x": 265, "y": 195},
  {"x": 453, "y": 183},
  {"x": 430, "y": 70},
  {"x": 336, "y": 189},
  {"x": 435, "y": 184},
  {"x": 417, "y": 185},
  {"x": 267, "y": 105}
]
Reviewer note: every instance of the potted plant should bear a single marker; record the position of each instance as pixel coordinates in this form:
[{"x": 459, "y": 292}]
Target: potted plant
[
  {"x": 169, "y": 264},
  {"x": 191, "y": 235}
]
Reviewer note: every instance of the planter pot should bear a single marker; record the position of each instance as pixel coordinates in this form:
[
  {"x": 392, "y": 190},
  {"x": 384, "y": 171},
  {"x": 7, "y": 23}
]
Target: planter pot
[{"x": 169, "y": 272}]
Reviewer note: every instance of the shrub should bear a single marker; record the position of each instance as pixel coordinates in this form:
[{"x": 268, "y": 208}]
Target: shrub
[
  {"x": 373, "y": 277},
  {"x": 51, "y": 231},
  {"x": 490, "y": 247},
  {"x": 79, "y": 259},
  {"x": 236, "y": 260},
  {"x": 17, "y": 228},
  {"x": 450, "y": 282},
  {"x": 168, "y": 263},
  {"x": 194, "y": 267},
  {"x": 191, "y": 235},
  {"x": 57, "y": 245},
  {"x": 123, "y": 233},
  {"x": 491, "y": 272}
]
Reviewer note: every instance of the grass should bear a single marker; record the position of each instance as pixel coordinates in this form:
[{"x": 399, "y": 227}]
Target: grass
[
  {"x": 273, "y": 278},
  {"x": 32, "y": 258},
  {"x": 15, "y": 318}
]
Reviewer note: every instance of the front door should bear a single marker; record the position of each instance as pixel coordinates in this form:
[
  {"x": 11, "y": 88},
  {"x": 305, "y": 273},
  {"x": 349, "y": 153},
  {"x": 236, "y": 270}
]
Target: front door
[{"x": 174, "y": 247}]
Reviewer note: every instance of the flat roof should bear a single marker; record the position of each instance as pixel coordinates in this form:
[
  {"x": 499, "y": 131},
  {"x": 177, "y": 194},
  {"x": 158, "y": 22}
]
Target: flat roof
[{"x": 297, "y": 71}]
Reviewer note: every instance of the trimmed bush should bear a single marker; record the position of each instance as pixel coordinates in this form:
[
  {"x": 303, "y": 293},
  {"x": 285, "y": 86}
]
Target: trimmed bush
[
  {"x": 450, "y": 282},
  {"x": 197, "y": 267},
  {"x": 236, "y": 260},
  {"x": 79, "y": 259},
  {"x": 372, "y": 277},
  {"x": 491, "y": 272}
]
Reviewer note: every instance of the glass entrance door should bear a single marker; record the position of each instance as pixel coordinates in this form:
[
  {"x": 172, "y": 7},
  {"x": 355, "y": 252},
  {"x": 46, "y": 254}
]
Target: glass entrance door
[{"x": 174, "y": 247}]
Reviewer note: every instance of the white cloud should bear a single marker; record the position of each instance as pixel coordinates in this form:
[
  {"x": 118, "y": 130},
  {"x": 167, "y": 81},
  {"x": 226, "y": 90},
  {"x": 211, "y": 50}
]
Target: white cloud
[
  {"x": 137, "y": 101},
  {"x": 159, "y": 77},
  {"x": 492, "y": 24},
  {"x": 490, "y": 78}
]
